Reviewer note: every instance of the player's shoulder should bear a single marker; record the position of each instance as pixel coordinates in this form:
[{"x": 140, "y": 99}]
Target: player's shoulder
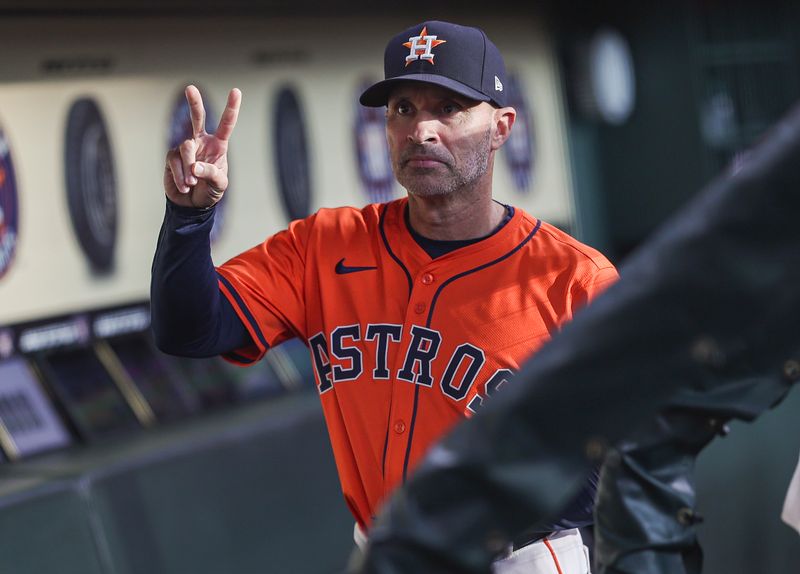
[
  {"x": 554, "y": 241},
  {"x": 346, "y": 219},
  {"x": 347, "y": 214}
]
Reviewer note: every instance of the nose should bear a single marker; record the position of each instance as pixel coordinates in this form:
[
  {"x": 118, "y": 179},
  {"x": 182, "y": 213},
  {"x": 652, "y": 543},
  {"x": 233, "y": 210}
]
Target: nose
[{"x": 424, "y": 131}]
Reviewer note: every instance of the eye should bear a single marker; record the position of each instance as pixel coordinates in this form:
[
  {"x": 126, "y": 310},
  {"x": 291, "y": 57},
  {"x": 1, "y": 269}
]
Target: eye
[
  {"x": 449, "y": 108},
  {"x": 402, "y": 108}
]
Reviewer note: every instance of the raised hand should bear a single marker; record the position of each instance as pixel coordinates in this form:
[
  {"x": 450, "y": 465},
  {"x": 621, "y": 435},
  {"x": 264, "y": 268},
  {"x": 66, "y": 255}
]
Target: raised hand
[{"x": 196, "y": 171}]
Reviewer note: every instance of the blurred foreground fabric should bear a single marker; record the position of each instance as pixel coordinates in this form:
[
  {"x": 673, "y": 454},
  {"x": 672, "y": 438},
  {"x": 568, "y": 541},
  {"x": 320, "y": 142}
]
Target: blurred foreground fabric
[{"x": 704, "y": 316}]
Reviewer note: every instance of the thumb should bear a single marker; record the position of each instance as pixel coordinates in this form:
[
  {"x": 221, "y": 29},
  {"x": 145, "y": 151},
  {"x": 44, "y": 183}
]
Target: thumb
[{"x": 214, "y": 177}]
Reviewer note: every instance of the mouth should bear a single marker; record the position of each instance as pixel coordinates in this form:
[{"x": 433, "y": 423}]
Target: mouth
[{"x": 423, "y": 161}]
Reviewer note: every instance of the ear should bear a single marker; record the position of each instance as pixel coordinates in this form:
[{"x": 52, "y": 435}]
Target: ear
[{"x": 503, "y": 120}]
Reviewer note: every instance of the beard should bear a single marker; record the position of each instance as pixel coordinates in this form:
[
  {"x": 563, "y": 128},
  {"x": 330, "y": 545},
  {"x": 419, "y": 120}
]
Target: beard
[{"x": 448, "y": 177}]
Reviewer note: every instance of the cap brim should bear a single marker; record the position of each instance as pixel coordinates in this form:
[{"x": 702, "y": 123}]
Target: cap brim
[{"x": 377, "y": 95}]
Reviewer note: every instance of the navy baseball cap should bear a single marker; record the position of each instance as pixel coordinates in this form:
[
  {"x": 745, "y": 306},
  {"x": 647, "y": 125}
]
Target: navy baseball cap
[{"x": 459, "y": 58}]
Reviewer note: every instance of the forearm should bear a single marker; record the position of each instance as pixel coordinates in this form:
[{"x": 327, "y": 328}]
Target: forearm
[{"x": 190, "y": 316}]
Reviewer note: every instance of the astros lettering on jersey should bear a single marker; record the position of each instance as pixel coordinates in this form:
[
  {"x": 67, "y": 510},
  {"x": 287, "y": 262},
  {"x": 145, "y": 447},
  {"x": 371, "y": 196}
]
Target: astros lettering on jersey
[{"x": 405, "y": 346}]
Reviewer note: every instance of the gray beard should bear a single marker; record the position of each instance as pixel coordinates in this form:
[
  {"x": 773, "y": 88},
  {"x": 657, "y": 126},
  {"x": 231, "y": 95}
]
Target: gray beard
[{"x": 473, "y": 168}]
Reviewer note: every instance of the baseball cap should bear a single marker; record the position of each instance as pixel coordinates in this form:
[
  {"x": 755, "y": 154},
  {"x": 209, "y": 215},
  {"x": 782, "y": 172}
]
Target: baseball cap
[{"x": 459, "y": 58}]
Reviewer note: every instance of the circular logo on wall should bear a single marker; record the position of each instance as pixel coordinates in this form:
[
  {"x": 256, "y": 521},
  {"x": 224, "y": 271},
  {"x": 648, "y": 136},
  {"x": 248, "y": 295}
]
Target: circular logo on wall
[
  {"x": 91, "y": 184},
  {"x": 6, "y": 343},
  {"x": 180, "y": 129},
  {"x": 291, "y": 154},
  {"x": 372, "y": 151},
  {"x": 520, "y": 148},
  {"x": 9, "y": 207}
]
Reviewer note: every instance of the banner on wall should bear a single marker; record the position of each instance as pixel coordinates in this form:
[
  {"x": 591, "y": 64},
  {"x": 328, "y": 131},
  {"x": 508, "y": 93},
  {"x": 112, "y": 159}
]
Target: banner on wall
[
  {"x": 520, "y": 149},
  {"x": 292, "y": 161},
  {"x": 91, "y": 183},
  {"x": 372, "y": 150},
  {"x": 9, "y": 207}
]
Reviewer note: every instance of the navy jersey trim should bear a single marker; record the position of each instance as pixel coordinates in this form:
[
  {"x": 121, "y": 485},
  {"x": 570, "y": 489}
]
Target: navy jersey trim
[
  {"x": 389, "y": 249},
  {"x": 430, "y": 318},
  {"x": 411, "y": 432},
  {"x": 240, "y": 303},
  {"x": 386, "y": 445},
  {"x": 238, "y": 358},
  {"x": 480, "y": 268},
  {"x": 436, "y": 248},
  {"x": 381, "y": 227}
]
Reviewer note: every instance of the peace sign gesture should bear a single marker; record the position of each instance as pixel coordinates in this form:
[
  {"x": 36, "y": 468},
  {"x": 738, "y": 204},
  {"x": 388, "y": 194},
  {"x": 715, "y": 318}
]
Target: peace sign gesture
[{"x": 196, "y": 172}]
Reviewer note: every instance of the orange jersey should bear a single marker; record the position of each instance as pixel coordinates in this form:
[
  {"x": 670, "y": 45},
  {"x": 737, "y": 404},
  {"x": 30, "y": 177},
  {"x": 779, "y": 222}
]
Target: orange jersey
[{"x": 405, "y": 346}]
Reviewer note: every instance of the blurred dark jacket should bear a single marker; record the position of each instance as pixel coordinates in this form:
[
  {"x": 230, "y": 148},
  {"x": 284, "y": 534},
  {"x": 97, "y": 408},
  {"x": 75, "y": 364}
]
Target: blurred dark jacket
[{"x": 702, "y": 327}]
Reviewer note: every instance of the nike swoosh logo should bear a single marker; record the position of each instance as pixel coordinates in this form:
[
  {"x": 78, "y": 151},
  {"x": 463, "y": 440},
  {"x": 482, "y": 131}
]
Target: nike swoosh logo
[{"x": 342, "y": 269}]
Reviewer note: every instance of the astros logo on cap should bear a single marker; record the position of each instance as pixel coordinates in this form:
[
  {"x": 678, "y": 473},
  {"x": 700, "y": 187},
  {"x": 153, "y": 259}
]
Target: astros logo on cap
[{"x": 420, "y": 46}]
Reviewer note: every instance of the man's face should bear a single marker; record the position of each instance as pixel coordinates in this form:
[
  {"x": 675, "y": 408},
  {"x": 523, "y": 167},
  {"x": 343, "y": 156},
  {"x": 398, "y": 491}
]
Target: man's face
[{"x": 439, "y": 141}]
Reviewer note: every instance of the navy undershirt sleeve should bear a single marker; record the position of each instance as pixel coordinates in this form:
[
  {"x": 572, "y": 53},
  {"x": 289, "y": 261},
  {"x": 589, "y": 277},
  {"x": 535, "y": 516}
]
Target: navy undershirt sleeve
[{"x": 190, "y": 316}]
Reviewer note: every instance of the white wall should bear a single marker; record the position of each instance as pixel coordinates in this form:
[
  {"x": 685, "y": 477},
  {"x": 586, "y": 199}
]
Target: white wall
[{"x": 152, "y": 61}]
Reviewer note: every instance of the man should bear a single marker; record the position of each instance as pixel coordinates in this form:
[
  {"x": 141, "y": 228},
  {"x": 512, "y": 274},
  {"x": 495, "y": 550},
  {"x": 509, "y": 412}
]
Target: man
[
  {"x": 415, "y": 311},
  {"x": 701, "y": 328}
]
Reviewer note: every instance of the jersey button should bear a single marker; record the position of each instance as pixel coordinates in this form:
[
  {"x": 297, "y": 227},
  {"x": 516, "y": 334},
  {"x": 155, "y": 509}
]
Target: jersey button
[
  {"x": 399, "y": 427},
  {"x": 427, "y": 279},
  {"x": 419, "y": 308}
]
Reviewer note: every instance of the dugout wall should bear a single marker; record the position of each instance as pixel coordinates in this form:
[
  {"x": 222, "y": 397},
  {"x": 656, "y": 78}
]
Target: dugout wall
[{"x": 88, "y": 107}]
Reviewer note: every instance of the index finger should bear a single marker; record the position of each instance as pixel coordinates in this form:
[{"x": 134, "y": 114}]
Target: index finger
[
  {"x": 196, "y": 110},
  {"x": 228, "y": 120}
]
